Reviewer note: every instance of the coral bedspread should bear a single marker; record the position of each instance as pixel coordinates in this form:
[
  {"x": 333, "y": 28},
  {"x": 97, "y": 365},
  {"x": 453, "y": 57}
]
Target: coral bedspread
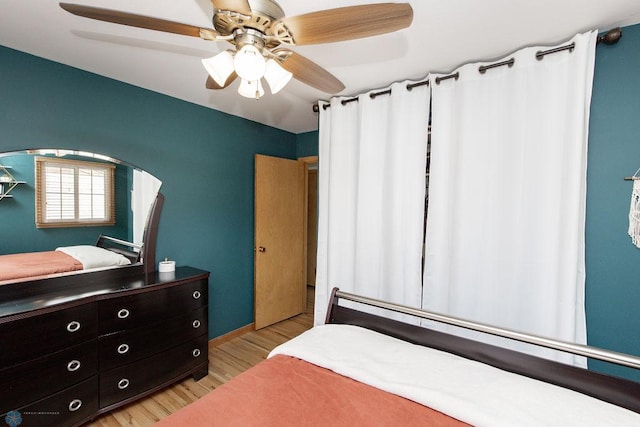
[
  {"x": 286, "y": 391},
  {"x": 19, "y": 266}
]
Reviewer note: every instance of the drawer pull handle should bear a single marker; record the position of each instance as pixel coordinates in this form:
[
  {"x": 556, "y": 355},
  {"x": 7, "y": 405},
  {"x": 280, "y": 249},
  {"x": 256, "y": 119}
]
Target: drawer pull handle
[
  {"x": 123, "y": 383},
  {"x": 123, "y": 348},
  {"x": 73, "y": 326},
  {"x": 123, "y": 314},
  {"x": 196, "y": 294},
  {"x": 75, "y": 404},
  {"x": 73, "y": 366},
  {"x": 196, "y": 324},
  {"x": 196, "y": 352}
]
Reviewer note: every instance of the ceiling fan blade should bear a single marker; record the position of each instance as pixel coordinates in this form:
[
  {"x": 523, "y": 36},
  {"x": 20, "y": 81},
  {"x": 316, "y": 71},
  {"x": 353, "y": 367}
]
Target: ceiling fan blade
[
  {"x": 212, "y": 84},
  {"x": 139, "y": 21},
  {"x": 310, "y": 73},
  {"x": 240, "y": 6},
  {"x": 347, "y": 23}
]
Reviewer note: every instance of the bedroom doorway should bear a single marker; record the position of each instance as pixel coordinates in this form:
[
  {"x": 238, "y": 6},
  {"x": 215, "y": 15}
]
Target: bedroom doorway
[
  {"x": 280, "y": 260},
  {"x": 312, "y": 217}
]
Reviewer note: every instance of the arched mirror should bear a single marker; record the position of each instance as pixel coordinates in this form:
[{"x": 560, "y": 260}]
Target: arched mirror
[{"x": 52, "y": 201}]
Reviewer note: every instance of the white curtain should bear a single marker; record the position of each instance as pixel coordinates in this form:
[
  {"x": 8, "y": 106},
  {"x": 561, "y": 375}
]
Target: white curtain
[
  {"x": 372, "y": 161},
  {"x": 507, "y": 191}
]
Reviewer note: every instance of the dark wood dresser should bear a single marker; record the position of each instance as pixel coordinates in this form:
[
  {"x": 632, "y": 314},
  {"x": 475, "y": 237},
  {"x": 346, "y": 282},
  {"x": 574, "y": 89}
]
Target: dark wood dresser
[{"x": 79, "y": 345}]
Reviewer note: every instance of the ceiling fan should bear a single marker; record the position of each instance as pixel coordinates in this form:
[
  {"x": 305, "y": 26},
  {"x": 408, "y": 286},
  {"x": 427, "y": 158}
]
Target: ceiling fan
[{"x": 258, "y": 28}]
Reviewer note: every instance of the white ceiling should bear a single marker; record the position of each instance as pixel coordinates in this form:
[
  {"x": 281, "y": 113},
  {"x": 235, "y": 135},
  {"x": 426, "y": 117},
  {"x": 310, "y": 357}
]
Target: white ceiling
[{"x": 444, "y": 35}]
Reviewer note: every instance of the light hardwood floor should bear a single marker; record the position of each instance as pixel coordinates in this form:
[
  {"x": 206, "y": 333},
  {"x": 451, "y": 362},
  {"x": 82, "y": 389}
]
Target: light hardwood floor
[{"x": 225, "y": 362}]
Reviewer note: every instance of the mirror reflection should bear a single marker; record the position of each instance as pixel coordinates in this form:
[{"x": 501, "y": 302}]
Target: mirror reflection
[{"x": 99, "y": 207}]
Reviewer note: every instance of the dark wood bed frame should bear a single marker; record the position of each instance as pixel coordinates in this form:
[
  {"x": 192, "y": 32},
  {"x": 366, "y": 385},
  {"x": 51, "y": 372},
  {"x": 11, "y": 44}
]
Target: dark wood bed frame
[
  {"x": 150, "y": 236},
  {"x": 122, "y": 247},
  {"x": 147, "y": 251},
  {"x": 619, "y": 391}
]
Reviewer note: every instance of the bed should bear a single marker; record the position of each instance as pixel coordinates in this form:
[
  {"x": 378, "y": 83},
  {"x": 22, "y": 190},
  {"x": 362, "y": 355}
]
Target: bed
[
  {"x": 362, "y": 369},
  {"x": 107, "y": 252}
]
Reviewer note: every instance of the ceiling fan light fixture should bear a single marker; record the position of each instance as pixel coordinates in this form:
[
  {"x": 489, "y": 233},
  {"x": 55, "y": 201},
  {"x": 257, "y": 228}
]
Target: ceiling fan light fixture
[
  {"x": 257, "y": 27},
  {"x": 251, "y": 89},
  {"x": 276, "y": 76},
  {"x": 219, "y": 67},
  {"x": 249, "y": 63}
]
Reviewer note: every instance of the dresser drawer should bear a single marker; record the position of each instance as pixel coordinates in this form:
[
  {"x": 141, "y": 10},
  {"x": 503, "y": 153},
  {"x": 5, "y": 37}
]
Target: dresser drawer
[
  {"x": 65, "y": 408},
  {"x": 127, "y": 381},
  {"x": 128, "y": 346},
  {"x": 128, "y": 312},
  {"x": 31, "y": 381},
  {"x": 39, "y": 335}
]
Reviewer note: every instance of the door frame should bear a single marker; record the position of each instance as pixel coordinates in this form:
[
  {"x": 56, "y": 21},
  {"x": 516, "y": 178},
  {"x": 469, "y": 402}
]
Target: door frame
[
  {"x": 310, "y": 162},
  {"x": 312, "y": 167}
]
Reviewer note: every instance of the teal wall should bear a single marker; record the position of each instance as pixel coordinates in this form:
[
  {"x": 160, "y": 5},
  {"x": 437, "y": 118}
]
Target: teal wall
[
  {"x": 307, "y": 144},
  {"x": 203, "y": 157},
  {"x": 21, "y": 210},
  {"x": 612, "y": 262}
]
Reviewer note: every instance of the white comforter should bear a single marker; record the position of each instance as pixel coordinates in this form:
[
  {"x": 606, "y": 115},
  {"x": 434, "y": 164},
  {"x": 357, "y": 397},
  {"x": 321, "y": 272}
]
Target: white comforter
[{"x": 469, "y": 391}]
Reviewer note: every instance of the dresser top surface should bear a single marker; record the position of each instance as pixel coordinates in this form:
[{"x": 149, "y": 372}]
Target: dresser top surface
[{"x": 26, "y": 296}]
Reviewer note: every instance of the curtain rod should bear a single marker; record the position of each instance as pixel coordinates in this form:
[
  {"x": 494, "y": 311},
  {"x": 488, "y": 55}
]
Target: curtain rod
[
  {"x": 372, "y": 95},
  {"x": 610, "y": 37},
  {"x": 633, "y": 177},
  {"x": 483, "y": 68},
  {"x": 542, "y": 53}
]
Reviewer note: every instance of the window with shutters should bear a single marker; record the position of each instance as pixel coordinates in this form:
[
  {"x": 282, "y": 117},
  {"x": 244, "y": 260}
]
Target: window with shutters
[{"x": 72, "y": 193}]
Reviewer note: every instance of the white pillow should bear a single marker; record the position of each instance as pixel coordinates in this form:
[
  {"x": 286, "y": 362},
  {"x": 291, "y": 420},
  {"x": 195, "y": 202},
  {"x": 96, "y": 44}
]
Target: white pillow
[{"x": 94, "y": 257}]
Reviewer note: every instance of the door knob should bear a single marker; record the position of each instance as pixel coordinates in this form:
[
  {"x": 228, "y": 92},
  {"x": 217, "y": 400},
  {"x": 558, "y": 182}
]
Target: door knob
[{"x": 261, "y": 249}]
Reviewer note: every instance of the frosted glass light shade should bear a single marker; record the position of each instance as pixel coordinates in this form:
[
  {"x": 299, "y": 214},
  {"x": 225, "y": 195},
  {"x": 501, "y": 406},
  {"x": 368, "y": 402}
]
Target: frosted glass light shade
[
  {"x": 219, "y": 67},
  {"x": 251, "y": 89},
  {"x": 276, "y": 76},
  {"x": 249, "y": 63}
]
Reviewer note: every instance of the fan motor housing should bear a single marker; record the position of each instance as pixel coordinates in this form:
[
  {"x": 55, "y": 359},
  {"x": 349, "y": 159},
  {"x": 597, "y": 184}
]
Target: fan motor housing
[{"x": 263, "y": 14}]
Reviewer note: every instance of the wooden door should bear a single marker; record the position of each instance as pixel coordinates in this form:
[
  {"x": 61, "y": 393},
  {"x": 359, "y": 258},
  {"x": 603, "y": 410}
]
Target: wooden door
[{"x": 280, "y": 239}]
